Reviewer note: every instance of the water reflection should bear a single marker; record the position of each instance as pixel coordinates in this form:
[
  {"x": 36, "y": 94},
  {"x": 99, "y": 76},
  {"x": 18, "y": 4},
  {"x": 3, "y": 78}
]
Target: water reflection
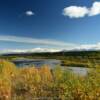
[{"x": 51, "y": 63}]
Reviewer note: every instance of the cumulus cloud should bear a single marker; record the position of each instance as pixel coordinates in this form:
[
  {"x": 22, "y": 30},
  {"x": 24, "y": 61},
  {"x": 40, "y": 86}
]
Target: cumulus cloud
[
  {"x": 75, "y": 11},
  {"x": 29, "y": 13},
  {"x": 82, "y": 11},
  {"x": 95, "y": 9}
]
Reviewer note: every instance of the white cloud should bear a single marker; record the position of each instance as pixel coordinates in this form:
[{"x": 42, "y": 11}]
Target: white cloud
[
  {"x": 54, "y": 46},
  {"x": 29, "y": 50},
  {"x": 81, "y": 47},
  {"x": 95, "y": 9},
  {"x": 88, "y": 47},
  {"x": 80, "y": 11},
  {"x": 33, "y": 41},
  {"x": 29, "y": 13},
  {"x": 75, "y": 11}
]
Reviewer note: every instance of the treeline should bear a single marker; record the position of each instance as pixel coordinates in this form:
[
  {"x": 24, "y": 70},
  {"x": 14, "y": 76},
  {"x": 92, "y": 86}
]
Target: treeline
[{"x": 81, "y": 54}]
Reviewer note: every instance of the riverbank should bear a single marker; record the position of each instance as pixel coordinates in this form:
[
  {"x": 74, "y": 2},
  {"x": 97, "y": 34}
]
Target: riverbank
[{"x": 71, "y": 58}]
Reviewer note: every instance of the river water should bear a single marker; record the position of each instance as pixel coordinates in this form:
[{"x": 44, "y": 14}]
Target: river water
[{"x": 52, "y": 63}]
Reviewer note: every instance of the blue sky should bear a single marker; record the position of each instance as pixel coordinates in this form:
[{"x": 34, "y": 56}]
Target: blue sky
[{"x": 63, "y": 22}]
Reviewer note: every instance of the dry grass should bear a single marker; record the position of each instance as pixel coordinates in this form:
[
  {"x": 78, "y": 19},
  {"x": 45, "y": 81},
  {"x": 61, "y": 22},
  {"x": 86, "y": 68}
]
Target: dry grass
[{"x": 31, "y": 83}]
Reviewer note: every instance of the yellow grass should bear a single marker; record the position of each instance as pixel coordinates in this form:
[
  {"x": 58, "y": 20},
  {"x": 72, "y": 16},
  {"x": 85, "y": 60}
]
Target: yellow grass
[{"x": 31, "y": 83}]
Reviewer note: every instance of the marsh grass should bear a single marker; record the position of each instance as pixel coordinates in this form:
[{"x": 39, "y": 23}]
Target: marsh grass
[{"x": 30, "y": 83}]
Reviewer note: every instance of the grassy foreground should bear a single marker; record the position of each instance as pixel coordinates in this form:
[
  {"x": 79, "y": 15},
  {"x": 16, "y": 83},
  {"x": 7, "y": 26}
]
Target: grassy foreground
[{"x": 31, "y": 83}]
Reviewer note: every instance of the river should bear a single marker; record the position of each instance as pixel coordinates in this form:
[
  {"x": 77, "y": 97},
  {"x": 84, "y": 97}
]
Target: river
[{"x": 52, "y": 63}]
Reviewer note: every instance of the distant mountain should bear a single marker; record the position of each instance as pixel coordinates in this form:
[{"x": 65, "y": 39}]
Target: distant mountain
[
  {"x": 34, "y": 50},
  {"x": 93, "y": 47}
]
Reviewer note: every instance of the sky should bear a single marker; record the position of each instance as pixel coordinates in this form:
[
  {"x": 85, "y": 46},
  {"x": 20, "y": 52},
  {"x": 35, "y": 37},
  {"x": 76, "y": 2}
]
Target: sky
[{"x": 27, "y": 24}]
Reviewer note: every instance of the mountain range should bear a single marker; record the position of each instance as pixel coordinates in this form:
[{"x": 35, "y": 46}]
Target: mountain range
[{"x": 94, "y": 47}]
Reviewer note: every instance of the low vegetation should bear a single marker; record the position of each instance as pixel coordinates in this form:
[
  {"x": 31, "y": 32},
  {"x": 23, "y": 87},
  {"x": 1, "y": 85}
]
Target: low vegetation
[
  {"x": 71, "y": 58},
  {"x": 30, "y": 83}
]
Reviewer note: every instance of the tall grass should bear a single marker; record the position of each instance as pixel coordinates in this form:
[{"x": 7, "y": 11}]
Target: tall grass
[{"x": 30, "y": 83}]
